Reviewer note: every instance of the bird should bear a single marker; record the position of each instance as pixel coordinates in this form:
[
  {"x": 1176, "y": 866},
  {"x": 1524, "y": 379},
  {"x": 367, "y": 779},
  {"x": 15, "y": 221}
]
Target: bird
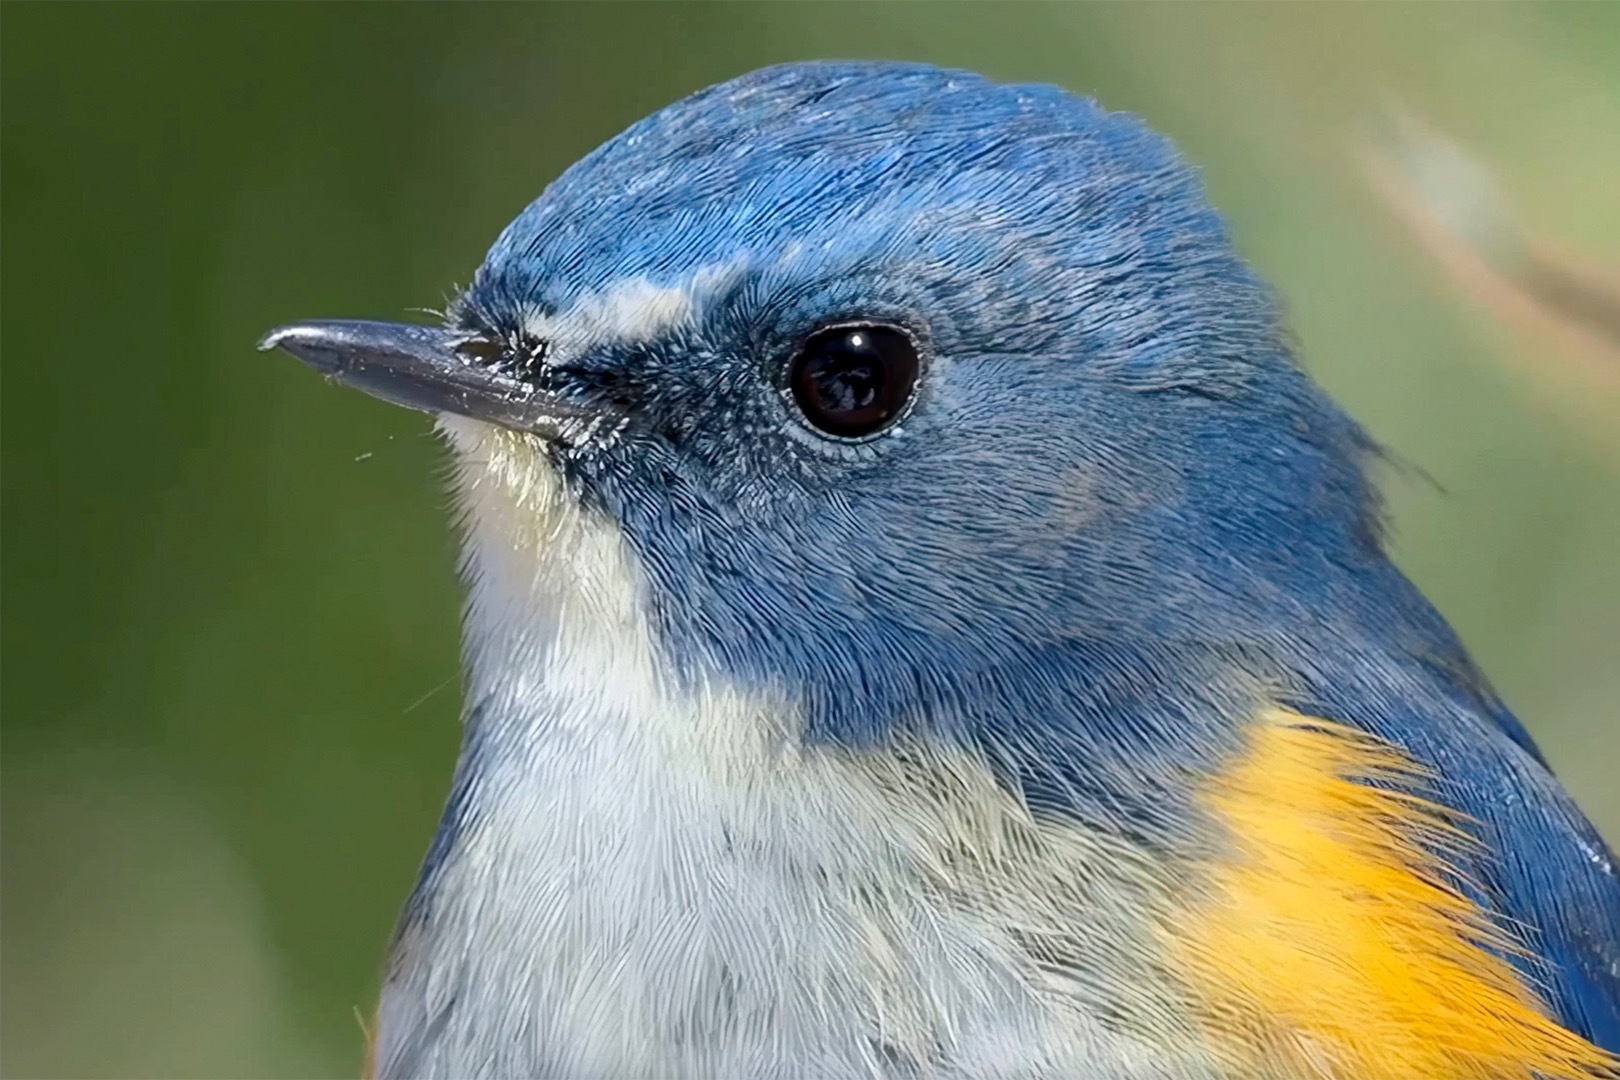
[{"x": 924, "y": 622}]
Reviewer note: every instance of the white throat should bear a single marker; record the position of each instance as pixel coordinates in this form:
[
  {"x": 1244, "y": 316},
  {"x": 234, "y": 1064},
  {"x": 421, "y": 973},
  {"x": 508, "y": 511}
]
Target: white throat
[{"x": 662, "y": 884}]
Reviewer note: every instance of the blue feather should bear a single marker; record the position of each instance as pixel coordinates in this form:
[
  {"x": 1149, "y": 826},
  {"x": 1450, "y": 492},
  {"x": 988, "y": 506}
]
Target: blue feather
[{"x": 1119, "y": 514}]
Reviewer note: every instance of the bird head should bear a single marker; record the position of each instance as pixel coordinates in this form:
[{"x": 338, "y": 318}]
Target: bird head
[{"x": 875, "y": 380}]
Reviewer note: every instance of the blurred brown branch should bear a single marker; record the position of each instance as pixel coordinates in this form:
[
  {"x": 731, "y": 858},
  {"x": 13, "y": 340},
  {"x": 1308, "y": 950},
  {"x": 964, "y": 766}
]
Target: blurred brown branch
[{"x": 1563, "y": 303}]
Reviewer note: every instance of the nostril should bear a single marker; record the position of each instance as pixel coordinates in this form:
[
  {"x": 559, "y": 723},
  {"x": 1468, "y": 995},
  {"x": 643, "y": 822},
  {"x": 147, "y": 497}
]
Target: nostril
[
  {"x": 517, "y": 356},
  {"x": 481, "y": 351}
]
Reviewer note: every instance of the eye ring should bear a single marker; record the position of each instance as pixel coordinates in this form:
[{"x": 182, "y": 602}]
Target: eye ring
[{"x": 854, "y": 380}]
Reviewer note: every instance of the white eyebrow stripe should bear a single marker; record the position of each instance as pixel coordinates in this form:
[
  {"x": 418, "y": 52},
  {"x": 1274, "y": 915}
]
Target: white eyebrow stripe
[{"x": 627, "y": 312}]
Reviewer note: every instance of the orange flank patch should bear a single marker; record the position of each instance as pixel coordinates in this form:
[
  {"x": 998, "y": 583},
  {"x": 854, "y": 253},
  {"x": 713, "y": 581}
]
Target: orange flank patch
[
  {"x": 1330, "y": 944},
  {"x": 368, "y": 1067}
]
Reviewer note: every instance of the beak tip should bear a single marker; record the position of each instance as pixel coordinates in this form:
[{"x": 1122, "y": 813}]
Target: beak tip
[
  {"x": 278, "y": 338},
  {"x": 322, "y": 346}
]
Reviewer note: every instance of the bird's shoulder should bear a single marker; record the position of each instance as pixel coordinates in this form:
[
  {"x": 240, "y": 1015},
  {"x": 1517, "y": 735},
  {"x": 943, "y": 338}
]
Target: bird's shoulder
[
  {"x": 1381, "y": 848},
  {"x": 1454, "y": 902}
]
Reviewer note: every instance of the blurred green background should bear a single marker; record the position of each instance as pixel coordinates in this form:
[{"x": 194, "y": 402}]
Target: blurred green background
[{"x": 230, "y": 648}]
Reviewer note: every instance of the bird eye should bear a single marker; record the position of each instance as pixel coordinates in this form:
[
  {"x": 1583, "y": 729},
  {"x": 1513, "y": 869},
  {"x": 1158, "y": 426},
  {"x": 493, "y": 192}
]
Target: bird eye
[{"x": 854, "y": 380}]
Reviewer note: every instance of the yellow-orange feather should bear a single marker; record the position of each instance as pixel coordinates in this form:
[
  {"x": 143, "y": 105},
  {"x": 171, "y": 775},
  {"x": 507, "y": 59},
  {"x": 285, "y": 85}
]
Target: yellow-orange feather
[{"x": 1329, "y": 942}]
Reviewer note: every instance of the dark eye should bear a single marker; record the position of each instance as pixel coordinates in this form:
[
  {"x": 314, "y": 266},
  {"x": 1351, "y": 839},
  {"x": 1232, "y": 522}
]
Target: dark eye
[{"x": 854, "y": 380}]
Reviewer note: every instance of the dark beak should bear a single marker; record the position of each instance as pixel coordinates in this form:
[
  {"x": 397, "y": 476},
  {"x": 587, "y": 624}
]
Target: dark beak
[{"x": 431, "y": 369}]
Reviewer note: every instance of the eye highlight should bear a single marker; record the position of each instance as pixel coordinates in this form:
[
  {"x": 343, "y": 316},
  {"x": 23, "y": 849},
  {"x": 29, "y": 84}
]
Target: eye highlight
[{"x": 855, "y": 379}]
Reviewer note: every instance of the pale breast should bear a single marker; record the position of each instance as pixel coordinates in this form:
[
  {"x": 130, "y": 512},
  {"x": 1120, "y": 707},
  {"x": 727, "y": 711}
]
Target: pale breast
[
  {"x": 640, "y": 882},
  {"x": 612, "y": 915}
]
